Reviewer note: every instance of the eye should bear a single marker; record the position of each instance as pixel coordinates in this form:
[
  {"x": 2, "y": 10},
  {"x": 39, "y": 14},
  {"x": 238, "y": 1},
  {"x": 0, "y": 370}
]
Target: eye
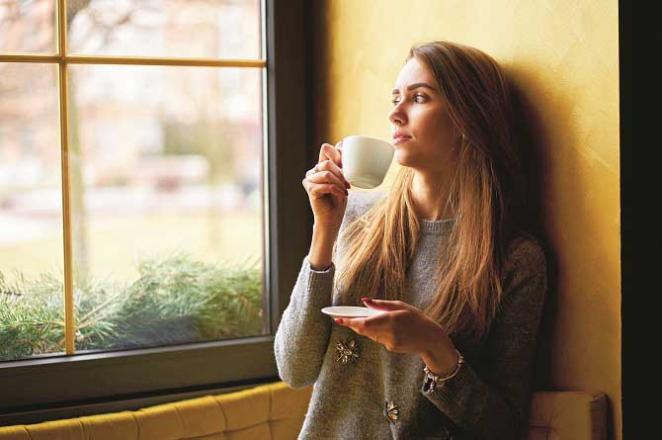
[{"x": 418, "y": 98}]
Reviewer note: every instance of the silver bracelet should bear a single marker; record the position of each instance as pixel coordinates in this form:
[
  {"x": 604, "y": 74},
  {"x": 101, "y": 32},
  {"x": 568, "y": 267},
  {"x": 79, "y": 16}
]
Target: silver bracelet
[{"x": 431, "y": 379}]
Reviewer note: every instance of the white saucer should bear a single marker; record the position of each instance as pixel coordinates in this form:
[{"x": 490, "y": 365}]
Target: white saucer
[{"x": 350, "y": 311}]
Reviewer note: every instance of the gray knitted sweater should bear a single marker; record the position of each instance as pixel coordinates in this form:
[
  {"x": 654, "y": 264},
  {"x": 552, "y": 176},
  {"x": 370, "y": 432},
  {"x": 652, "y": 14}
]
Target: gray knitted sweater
[{"x": 379, "y": 394}]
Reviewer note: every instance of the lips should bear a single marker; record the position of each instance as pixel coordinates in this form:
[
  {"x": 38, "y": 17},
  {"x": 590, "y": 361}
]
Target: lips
[{"x": 400, "y": 137}]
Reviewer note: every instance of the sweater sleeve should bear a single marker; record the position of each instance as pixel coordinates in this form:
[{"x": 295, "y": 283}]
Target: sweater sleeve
[
  {"x": 303, "y": 333},
  {"x": 495, "y": 404}
]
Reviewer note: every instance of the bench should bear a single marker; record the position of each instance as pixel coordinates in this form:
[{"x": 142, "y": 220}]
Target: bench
[{"x": 275, "y": 411}]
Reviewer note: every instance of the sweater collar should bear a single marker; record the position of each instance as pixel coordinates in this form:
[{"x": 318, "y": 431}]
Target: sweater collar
[{"x": 436, "y": 227}]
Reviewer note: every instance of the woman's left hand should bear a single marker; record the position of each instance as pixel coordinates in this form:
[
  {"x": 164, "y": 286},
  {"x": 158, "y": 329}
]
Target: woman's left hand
[{"x": 403, "y": 328}]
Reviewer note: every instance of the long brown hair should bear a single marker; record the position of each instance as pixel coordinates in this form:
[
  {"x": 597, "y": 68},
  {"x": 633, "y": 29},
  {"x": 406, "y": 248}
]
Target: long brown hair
[{"x": 485, "y": 196}]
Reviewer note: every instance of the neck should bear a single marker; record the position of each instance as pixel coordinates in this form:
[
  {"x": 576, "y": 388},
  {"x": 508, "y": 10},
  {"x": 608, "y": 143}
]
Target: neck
[{"x": 430, "y": 192}]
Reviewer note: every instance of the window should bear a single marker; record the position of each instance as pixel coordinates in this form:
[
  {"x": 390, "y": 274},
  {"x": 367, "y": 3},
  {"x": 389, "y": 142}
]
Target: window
[{"x": 143, "y": 174}]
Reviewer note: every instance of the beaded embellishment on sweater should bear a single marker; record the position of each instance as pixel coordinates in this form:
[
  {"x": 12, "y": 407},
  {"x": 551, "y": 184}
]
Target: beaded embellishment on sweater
[
  {"x": 346, "y": 351},
  {"x": 391, "y": 411}
]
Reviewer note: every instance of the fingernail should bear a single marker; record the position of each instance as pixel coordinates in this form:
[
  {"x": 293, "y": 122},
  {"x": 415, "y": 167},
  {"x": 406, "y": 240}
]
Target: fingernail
[
  {"x": 338, "y": 320},
  {"x": 365, "y": 298}
]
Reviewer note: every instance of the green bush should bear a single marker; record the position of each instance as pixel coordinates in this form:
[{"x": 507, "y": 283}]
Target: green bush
[{"x": 174, "y": 300}]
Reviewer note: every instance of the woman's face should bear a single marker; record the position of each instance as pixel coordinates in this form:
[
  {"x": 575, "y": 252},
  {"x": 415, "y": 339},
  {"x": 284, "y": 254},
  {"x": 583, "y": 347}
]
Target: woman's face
[{"x": 423, "y": 134}]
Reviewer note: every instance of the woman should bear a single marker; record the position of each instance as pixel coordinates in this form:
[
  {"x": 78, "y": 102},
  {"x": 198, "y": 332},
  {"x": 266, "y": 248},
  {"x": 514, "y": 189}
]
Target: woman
[{"x": 444, "y": 255}]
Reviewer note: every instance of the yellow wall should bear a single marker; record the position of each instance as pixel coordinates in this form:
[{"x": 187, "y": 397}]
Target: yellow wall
[{"x": 563, "y": 56}]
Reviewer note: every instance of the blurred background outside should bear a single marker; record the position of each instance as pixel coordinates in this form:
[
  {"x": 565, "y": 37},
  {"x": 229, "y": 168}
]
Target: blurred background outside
[{"x": 165, "y": 176}]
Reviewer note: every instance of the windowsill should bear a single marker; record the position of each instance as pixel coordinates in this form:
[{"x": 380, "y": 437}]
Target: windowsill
[
  {"x": 121, "y": 404},
  {"x": 124, "y": 376}
]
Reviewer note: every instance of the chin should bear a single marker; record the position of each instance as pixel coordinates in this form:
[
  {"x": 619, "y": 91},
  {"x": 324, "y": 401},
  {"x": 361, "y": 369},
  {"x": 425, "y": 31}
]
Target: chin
[{"x": 404, "y": 158}]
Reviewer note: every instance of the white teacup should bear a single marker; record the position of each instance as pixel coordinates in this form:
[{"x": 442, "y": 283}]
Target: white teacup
[{"x": 365, "y": 160}]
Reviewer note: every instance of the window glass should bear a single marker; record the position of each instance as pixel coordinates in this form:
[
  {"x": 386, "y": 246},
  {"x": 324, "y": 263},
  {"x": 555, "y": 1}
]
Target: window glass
[
  {"x": 27, "y": 26},
  {"x": 166, "y": 28},
  {"x": 31, "y": 252},
  {"x": 166, "y": 187}
]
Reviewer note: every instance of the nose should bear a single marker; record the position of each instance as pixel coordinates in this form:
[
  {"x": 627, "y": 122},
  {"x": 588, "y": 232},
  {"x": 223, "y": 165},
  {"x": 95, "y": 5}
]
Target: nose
[{"x": 398, "y": 116}]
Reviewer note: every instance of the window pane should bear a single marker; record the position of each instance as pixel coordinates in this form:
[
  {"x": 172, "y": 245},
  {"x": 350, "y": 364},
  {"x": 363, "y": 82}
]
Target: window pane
[
  {"x": 27, "y": 26},
  {"x": 166, "y": 28},
  {"x": 31, "y": 261},
  {"x": 167, "y": 204}
]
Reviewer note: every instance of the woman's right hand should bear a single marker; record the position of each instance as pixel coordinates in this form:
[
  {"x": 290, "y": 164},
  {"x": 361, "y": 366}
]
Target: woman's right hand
[{"x": 327, "y": 189}]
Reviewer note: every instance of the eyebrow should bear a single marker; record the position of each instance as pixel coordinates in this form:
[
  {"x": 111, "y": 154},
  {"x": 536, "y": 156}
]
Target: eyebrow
[{"x": 415, "y": 86}]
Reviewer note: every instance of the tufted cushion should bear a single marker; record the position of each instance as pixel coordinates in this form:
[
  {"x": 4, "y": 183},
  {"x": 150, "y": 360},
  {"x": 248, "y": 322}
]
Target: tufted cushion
[
  {"x": 272, "y": 411},
  {"x": 275, "y": 411},
  {"x": 568, "y": 414}
]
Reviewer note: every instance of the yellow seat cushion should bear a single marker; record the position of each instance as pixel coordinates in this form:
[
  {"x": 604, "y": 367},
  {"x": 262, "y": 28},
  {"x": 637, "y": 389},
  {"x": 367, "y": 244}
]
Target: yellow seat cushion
[
  {"x": 275, "y": 411},
  {"x": 110, "y": 426},
  {"x": 272, "y": 411},
  {"x": 568, "y": 414},
  {"x": 55, "y": 430}
]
